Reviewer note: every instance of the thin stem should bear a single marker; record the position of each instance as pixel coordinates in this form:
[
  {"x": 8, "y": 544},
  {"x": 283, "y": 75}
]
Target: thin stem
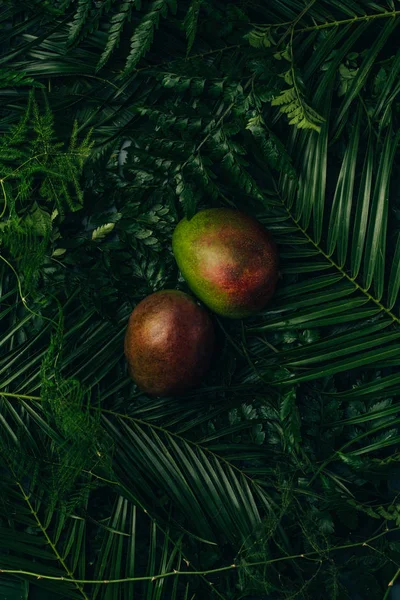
[
  {"x": 293, "y": 23},
  {"x": 190, "y": 57},
  {"x": 52, "y": 545},
  {"x": 393, "y": 14},
  {"x": 391, "y": 584},
  {"x": 293, "y": 73},
  {"x": 384, "y": 15},
  {"x": 23, "y": 298},
  {"x": 231, "y": 567}
]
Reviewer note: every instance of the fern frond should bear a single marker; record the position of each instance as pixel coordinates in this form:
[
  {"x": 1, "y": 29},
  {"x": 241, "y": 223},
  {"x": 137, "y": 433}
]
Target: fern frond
[
  {"x": 117, "y": 24},
  {"x": 82, "y": 12},
  {"x": 11, "y": 78},
  {"x": 290, "y": 417},
  {"x": 261, "y": 37},
  {"x": 68, "y": 405},
  {"x": 86, "y": 19},
  {"x": 32, "y": 159},
  {"x": 187, "y": 196},
  {"x": 144, "y": 33},
  {"x": 199, "y": 168},
  {"x": 190, "y": 23},
  {"x": 28, "y": 249},
  {"x": 292, "y": 103},
  {"x": 101, "y": 232},
  {"x": 230, "y": 153},
  {"x": 272, "y": 149}
]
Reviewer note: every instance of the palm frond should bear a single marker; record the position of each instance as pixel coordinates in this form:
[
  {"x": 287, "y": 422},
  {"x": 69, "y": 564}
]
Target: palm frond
[
  {"x": 28, "y": 532},
  {"x": 200, "y": 485},
  {"x": 358, "y": 293},
  {"x": 119, "y": 557}
]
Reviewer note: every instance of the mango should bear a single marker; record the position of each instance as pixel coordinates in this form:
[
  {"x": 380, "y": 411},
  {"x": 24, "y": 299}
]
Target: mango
[
  {"x": 168, "y": 343},
  {"x": 228, "y": 259}
]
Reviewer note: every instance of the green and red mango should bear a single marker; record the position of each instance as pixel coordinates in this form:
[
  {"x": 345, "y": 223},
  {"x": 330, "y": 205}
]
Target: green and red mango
[
  {"x": 168, "y": 343},
  {"x": 229, "y": 260}
]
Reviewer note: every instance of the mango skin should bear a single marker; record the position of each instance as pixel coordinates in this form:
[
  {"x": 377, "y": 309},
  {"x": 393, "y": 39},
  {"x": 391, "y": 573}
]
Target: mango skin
[
  {"x": 228, "y": 259},
  {"x": 168, "y": 343}
]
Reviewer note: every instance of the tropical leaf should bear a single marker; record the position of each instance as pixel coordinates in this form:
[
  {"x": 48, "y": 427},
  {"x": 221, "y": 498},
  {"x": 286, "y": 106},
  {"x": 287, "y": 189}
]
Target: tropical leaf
[
  {"x": 119, "y": 556},
  {"x": 200, "y": 485},
  {"x": 278, "y": 475},
  {"x": 356, "y": 220}
]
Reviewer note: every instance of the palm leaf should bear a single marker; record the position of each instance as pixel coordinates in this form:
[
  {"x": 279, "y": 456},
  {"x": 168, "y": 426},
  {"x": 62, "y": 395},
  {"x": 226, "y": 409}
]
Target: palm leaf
[
  {"x": 27, "y": 533},
  {"x": 119, "y": 558},
  {"x": 353, "y": 219},
  {"x": 199, "y": 484}
]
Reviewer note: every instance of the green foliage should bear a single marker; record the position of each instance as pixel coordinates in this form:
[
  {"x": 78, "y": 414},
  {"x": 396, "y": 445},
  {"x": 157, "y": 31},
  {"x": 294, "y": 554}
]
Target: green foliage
[
  {"x": 278, "y": 476},
  {"x": 292, "y": 104},
  {"x": 190, "y": 22},
  {"x": 273, "y": 152},
  {"x": 39, "y": 181},
  {"x": 118, "y": 21},
  {"x": 291, "y": 101},
  {"x": 144, "y": 33},
  {"x": 10, "y": 78}
]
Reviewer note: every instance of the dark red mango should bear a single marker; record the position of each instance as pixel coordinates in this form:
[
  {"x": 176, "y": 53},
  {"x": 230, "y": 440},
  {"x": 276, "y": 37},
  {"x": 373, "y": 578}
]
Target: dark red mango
[
  {"x": 168, "y": 343},
  {"x": 229, "y": 260}
]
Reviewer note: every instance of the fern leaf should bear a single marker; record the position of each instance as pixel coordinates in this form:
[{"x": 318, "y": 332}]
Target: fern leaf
[
  {"x": 187, "y": 196},
  {"x": 39, "y": 221},
  {"x": 190, "y": 23},
  {"x": 272, "y": 149},
  {"x": 101, "y": 232},
  {"x": 9, "y": 78},
  {"x": 144, "y": 33},
  {"x": 86, "y": 19},
  {"x": 299, "y": 113},
  {"x": 80, "y": 18},
  {"x": 68, "y": 405},
  {"x": 118, "y": 22},
  {"x": 230, "y": 154},
  {"x": 262, "y": 37},
  {"x": 199, "y": 168},
  {"x": 285, "y": 97}
]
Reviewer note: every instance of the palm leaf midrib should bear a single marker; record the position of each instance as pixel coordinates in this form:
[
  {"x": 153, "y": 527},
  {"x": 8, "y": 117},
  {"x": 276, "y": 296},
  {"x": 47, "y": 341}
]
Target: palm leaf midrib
[{"x": 353, "y": 280}]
